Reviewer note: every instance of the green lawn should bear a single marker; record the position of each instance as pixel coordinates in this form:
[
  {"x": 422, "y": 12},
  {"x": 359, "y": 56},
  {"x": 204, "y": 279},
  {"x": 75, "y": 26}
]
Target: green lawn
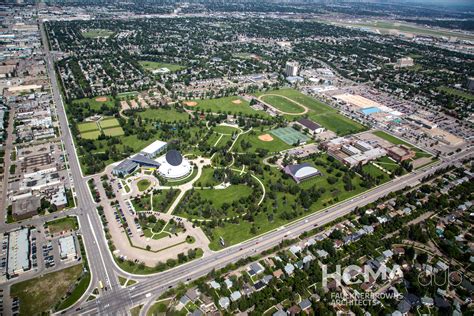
[
  {"x": 41, "y": 294},
  {"x": 459, "y": 93},
  {"x": 163, "y": 114},
  {"x": 282, "y": 104},
  {"x": 207, "y": 178},
  {"x": 397, "y": 141},
  {"x": 135, "y": 311},
  {"x": 87, "y": 127},
  {"x": 143, "y": 185},
  {"x": 201, "y": 200},
  {"x": 109, "y": 122},
  {"x": 94, "y": 104},
  {"x": 90, "y": 135},
  {"x": 251, "y": 138},
  {"x": 225, "y": 129},
  {"x": 153, "y": 65},
  {"x": 96, "y": 33},
  {"x": 62, "y": 224},
  {"x": 225, "y": 105},
  {"x": 159, "y": 308},
  {"x": 321, "y": 113},
  {"x": 113, "y": 131}
]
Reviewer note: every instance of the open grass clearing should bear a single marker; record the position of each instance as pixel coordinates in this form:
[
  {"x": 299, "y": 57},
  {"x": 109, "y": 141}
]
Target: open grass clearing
[
  {"x": 91, "y": 135},
  {"x": 113, "y": 131},
  {"x": 62, "y": 224},
  {"x": 41, "y": 294},
  {"x": 109, "y": 122},
  {"x": 87, "y": 127},
  {"x": 282, "y": 104},
  {"x": 154, "y": 65}
]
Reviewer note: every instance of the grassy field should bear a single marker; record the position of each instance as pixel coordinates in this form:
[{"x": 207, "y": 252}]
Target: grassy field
[
  {"x": 143, "y": 184},
  {"x": 216, "y": 198},
  {"x": 91, "y": 135},
  {"x": 397, "y": 141},
  {"x": 62, "y": 224},
  {"x": 153, "y": 65},
  {"x": 276, "y": 145},
  {"x": 207, "y": 178},
  {"x": 114, "y": 131},
  {"x": 94, "y": 104},
  {"x": 87, "y": 127},
  {"x": 109, "y": 122},
  {"x": 321, "y": 113},
  {"x": 224, "y": 105},
  {"x": 97, "y": 33},
  {"x": 459, "y": 93},
  {"x": 41, "y": 294},
  {"x": 166, "y": 115},
  {"x": 282, "y": 104},
  {"x": 225, "y": 129}
]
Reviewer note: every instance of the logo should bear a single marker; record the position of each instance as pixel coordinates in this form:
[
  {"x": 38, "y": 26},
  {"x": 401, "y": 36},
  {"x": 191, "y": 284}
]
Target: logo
[{"x": 356, "y": 274}]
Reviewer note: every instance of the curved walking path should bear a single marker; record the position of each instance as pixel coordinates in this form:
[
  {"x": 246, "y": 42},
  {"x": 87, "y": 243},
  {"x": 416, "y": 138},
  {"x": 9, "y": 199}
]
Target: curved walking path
[{"x": 305, "y": 109}]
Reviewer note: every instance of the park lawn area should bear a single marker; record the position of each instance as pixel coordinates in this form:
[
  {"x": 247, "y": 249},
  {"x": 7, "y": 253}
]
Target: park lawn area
[
  {"x": 222, "y": 129},
  {"x": 94, "y": 104},
  {"x": 207, "y": 178},
  {"x": 226, "y": 105},
  {"x": 228, "y": 195},
  {"x": 217, "y": 198},
  {"x": 186, "y": 179},
  {"x": 153, "y": 65},
  {"x": 282, "y": 104},
  {"x": 91, "y": 135},
  {"x": 459, "y": 93},
  {"x": 143, "y": 184},
  {"x": 387, "y": 163},
  {"x": 234, "y": 233},
  {"x": 321, "y": 113},
  {"x": 223, "y": 142},
  {"x": 163, "y": 114},
  {"x": 96, "y": 33},
  {"x": 41, "y": 294},
  {"x": 113, "y": 131},
  {"x": 375, "y": 172},
  {"x": 276, "y": 145},
  {"x": 109, "y": 122},
  {"x": 87, "y": 127},
  {"x": 62, "y": 224}
]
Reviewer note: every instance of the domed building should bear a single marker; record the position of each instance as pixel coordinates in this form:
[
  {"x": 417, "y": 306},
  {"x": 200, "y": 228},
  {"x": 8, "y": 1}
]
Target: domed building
[{"x": 173, "y": 165}]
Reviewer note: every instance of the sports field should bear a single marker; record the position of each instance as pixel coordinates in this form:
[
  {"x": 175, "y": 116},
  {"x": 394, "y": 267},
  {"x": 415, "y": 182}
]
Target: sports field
[
  {"x": 91, "y": 135},
  {"x": 319, "y": 112},
  {"x": 250, "y": 142},
  {"x": 282, "y": 104},
  {"x": 97, "y": 33},
  {"x": 233, "y": 105},
  {"x": 111, "y": 122},
  {"x": 153, "y": 65},
  {"x": 87, "y": 127},
  {"x": 113, "y": 131},
  {"x": 289, "y": 135},
  {"x": 94, "y": 103}
]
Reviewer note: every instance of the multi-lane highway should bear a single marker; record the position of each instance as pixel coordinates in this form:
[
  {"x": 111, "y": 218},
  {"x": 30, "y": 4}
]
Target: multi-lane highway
[{"x": 117, "y": 300}]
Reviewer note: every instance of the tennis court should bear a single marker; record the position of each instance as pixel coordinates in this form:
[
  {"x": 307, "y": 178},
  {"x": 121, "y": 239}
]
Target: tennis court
[{"x": 289, "y": 135}]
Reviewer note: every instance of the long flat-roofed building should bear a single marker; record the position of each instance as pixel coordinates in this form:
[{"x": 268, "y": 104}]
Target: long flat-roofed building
[
  {"x": 18, "y": 252},
  {"x": 154, "y": 149}
]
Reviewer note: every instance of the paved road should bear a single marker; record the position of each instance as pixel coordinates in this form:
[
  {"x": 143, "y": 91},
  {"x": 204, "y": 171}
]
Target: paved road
[{"x": 117, "y": 300}]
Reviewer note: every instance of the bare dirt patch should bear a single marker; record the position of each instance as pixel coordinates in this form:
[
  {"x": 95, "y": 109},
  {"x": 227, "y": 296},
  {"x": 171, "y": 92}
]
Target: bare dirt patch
[
  {"x": 190, "y": 103},
  {"x": 237, "y": 101},
  {"x": 101, "y": 99},
  {"x": 265, "y": 138}
]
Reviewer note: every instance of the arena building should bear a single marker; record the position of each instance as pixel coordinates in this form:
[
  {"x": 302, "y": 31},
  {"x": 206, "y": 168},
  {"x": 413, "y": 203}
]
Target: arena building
[{"x": 301, "y": 172}]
